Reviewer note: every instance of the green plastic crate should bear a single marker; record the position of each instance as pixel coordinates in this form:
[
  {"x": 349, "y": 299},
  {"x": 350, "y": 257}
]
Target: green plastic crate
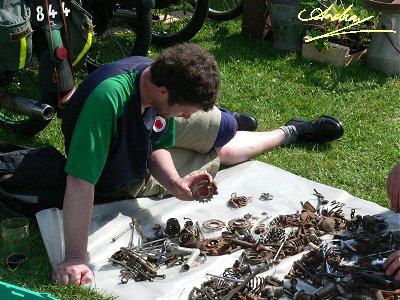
[{"x": 13, "y": 292}]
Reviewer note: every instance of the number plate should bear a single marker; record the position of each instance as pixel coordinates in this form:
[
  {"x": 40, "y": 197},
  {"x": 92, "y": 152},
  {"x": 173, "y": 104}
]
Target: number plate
[{"x": 40, "y": 14}]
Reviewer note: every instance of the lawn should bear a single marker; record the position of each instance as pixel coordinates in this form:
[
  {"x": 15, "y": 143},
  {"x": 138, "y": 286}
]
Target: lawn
[{"x": 274, "y": 86}]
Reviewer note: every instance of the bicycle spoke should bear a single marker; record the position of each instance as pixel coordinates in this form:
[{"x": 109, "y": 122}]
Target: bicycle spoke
[{"x": 179, "y": 21}]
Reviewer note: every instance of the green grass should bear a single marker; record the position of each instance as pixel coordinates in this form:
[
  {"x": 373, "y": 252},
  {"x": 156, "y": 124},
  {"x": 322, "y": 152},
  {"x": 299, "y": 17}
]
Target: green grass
[{"x": 275, "y": 86}]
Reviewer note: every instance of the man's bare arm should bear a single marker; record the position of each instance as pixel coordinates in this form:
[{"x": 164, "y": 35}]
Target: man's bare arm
[{"x": 77, "y": 213}]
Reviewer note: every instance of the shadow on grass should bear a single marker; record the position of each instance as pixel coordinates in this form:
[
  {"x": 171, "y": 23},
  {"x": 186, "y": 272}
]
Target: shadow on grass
[
  {"x": 9, "y": 136},
  {"x": 310, "y": 147}
]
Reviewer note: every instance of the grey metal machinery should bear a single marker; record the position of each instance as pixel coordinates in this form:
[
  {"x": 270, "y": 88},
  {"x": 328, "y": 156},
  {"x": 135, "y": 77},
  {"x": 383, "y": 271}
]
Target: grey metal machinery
[{"x": 384, "y": 50}]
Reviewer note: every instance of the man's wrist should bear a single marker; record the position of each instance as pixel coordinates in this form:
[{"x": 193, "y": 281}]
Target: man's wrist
[{"x": 77, "y": 259}]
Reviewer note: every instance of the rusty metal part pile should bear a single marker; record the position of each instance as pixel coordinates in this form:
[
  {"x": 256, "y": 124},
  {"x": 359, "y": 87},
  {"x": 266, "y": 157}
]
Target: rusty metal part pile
[
  {"x": 343, "y": 259},
  {"x": 347, "y": 267},
  {"x": 252, "y": 287}
]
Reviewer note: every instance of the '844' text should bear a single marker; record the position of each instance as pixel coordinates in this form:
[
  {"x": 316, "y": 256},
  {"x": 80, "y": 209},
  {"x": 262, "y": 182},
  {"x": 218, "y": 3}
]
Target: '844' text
[{"x": 40, "y": 14}]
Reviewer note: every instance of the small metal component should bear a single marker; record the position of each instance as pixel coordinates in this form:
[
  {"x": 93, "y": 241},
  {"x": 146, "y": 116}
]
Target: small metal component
[
  {"x": 225, "y": 278},
  {"x": 309, "y": 206},
  {"x": 380, "y": 253},
  {"x": 266, "y": 197},
  {"x": 192, "y": 259},
  {"x": 293, "y": 284},
  {"x": 239, "y": 224},
  {"x": 279, "y": 250},
  {"x": 203, "y": 192},
  {"x": 150, "y": 244},
  {"x": 240, "y": 286},
  {"x": 122, "y": 233},
  {"x": 213, "y": 224},
  {"x": 238, "y": 201},
  {"x": 238, "y": 263},
  {"x": 376, "y": 278},
  {"x": 214, "y": 246},
  {"x": 200, "y": 233},
  {"x": 313, "y": 246},
  {"x": 172, "y": 228},
  {"x": 300, "y": 265},
  {"x": 325, "y": 290},
  {"x": 321, "y": 199},
  {"x": 313, "y": 234},
  {"x": 328, "y": 224},
  {"x": 378, "y": 262},
  {"x": 348, "y": 245},
  {"x": 140, "y": 260}
]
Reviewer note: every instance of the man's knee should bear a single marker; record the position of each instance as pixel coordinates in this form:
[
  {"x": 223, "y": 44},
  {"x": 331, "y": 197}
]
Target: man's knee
[{"x": 227, "y": 130}]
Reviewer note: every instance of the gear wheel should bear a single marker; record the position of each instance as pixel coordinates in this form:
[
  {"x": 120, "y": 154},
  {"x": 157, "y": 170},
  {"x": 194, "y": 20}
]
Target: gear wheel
[
  {"x": 213, "y": 224},
  {"x": 239, "y": 224},
  {"x": 214, "y": 246},
  {"x": 203, "y": 192}
]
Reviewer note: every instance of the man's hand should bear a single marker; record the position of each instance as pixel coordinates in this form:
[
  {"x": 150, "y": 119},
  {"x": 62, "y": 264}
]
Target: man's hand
[
  {"x": 182, "y": 188},
  {"x": 392, "y": 265},
  {"x": 162, "y": 168},
  {"x": 72, "y": 271},
  {"x": 393, "y": 187}
]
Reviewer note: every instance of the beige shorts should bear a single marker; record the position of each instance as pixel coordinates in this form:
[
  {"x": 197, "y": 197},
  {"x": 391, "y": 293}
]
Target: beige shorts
[{"x": 193, "y": 153}]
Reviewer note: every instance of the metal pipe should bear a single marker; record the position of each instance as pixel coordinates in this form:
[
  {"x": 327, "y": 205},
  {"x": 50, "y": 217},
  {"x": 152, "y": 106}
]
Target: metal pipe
[
  {"x": 193, "y": 252},
  {"x": 27, "y": 107},
  {"x": 226, "y": 278},
  {"x": 191, "y": 261},
  {"x": 374, "y": 277}
]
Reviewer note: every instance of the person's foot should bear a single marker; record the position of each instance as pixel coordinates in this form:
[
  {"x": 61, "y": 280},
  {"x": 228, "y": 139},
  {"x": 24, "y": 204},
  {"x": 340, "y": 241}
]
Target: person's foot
[
  {"x": 322, "y": 130},
  {"x": 245, "y": 122}
]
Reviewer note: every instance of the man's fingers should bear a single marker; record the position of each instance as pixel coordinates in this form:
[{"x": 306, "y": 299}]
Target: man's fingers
[
  {"x": 392, "y": 264},
  {"x": 87, "y": 278},
  {"x": 65, "y": 279},
  {"x": 389, "y": 260}
]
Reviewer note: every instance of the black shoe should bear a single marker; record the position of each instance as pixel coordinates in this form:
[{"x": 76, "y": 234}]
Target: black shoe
[
  {"x": 245, "y": 122},
  {"x": 321, "y": 130}
]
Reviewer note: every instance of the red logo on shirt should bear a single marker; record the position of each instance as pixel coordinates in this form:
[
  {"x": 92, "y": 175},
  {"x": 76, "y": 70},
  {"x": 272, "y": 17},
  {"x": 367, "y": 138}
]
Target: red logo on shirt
[{"x": 159, "y": 124}]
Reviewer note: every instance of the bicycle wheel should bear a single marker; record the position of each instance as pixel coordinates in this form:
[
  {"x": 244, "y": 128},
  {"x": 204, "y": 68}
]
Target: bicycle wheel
[
  {"x": 178, "y": 21},
  {"x": 37, "y": 114},
  {"x": 128, "y": 33},
  {"x": 225, "y": 10}
]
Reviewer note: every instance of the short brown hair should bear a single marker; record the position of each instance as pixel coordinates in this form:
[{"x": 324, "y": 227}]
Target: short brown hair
[{"x": 190, "y": 74}]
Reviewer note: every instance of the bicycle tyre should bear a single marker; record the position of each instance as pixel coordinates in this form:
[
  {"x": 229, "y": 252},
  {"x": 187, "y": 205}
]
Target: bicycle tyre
[
  {"x": 143, "y": 30},
  {"x": 128, "y": 33},
  {"x": 224, "y": 11},
  {"x": 181, "y": 29},
  {"x": 25, "y": 128},
  {"x": 28, "y": 127}
]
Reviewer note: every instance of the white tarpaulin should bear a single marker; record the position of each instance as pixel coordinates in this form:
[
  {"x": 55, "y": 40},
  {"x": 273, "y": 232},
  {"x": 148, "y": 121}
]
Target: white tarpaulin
[{"x": 249, "y": 179}]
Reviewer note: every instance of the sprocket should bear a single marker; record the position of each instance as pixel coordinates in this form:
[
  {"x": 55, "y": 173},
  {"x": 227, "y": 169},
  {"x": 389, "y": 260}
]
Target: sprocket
[
  {"x": 214, "y": 246},
  {"x": 203, "y": 192},
  {"x": 213, "y": 224}
]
